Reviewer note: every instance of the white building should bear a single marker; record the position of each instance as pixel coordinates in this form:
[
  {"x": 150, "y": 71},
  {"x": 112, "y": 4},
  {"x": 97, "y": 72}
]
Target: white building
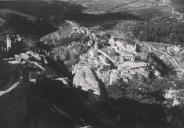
[
  {"x": 19, "y": 38},
  {"x": 166, "y": 1},
  {"x": 8, "y": 43}
]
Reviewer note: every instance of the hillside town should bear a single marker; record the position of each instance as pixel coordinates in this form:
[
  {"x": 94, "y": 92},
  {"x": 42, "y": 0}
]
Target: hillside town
[{"x": 91, "y": 64}]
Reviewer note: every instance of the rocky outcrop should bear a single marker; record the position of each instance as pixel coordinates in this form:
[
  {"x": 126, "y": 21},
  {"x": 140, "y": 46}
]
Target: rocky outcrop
[{"x": 86, "y": 80}]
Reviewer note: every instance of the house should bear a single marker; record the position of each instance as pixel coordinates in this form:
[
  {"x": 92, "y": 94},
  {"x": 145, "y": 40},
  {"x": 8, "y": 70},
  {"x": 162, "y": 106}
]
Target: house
[
  {"x": 109, "y": 53},
  {"x": 127, "y": 56},
  {"x": 132, "y": 65},
  {"x": 141, "y": 56}
]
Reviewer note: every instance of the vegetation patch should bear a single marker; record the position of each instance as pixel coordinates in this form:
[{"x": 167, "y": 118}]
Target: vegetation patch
[{"x": 164, "y": 30}]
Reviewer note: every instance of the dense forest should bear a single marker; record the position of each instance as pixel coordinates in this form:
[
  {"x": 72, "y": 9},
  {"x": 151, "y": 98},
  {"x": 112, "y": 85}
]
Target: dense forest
[{"x": 166, "y": 30}]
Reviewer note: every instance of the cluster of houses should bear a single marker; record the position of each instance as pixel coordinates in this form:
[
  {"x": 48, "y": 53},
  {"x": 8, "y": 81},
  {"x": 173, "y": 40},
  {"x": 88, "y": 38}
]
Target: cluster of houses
[
  {"x": 118, "y": 53},
  {"x": 10, "y": 41},
  {"x": 177, "y": 13},
  {"x": 126, "y": 50},
  {"x": 118, "y": 58}
]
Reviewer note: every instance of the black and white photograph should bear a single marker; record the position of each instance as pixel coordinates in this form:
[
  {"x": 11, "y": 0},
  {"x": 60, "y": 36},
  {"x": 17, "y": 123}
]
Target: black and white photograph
[{"x": 91, "y": 63}]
